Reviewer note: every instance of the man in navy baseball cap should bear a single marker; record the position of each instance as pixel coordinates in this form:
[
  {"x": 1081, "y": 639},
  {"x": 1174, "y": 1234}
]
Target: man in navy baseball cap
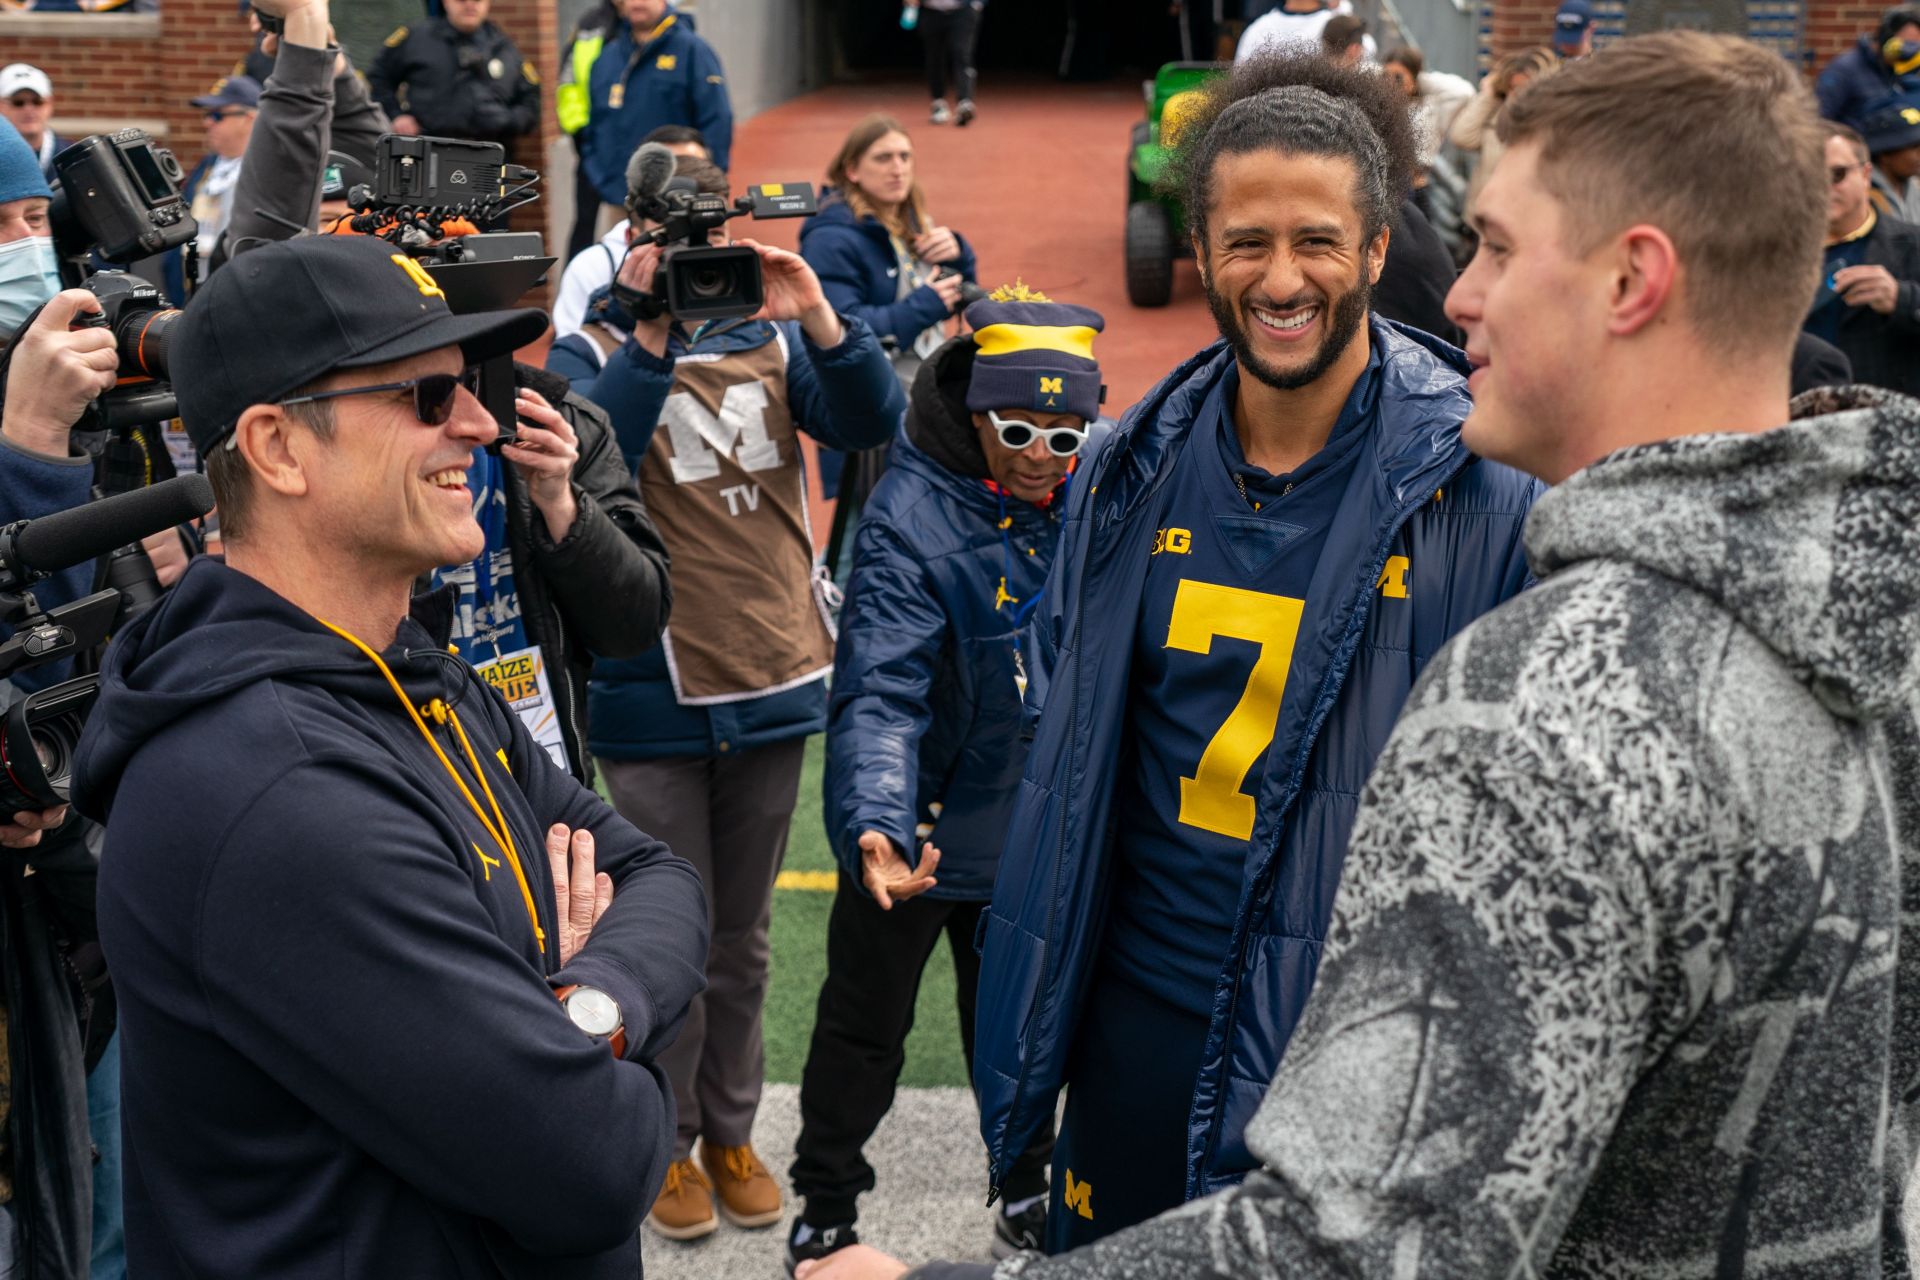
[
  {"x": 1573, "y": 29},
  {"x": 376, "y": 907}
]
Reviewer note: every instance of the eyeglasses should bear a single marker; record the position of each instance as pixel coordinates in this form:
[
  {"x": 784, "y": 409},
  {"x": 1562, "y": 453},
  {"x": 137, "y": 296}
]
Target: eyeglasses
[
  {"x": 433, "y": 395},
  {"x": 25, "y": 101},
  {"x": 1062, "y": 442},
  {"x": 1839, "y": 173}
]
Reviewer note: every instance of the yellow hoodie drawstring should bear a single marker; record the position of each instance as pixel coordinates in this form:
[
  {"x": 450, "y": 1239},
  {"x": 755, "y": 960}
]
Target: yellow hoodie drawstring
[{"x": 502, "y": 835}]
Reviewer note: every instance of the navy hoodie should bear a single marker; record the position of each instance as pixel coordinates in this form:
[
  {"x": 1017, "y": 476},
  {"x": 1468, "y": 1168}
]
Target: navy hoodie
[{"x": 343, "y": 1056}]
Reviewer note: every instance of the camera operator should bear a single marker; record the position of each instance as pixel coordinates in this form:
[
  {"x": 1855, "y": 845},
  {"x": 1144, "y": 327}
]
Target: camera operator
[
  {"x": 573, "y": 569},
  {"x": 58, "y": 1016},
  {"x": 701, "y": 740}
]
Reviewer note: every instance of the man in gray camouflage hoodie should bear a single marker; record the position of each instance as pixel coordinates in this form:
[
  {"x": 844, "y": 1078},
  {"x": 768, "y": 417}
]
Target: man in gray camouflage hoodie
[{"x": 1610, "y": 989}]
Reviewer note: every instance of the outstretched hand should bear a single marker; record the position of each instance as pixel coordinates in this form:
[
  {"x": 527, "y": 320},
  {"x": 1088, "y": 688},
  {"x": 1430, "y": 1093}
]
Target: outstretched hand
[
  {"x": 886, "y": 874},
  {"x": 855, "y": 1262}
]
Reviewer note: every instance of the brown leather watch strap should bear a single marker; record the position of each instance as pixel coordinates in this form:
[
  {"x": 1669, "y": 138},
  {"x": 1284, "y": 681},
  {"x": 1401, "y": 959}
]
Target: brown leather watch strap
[{"x": 617, "y": 1041}]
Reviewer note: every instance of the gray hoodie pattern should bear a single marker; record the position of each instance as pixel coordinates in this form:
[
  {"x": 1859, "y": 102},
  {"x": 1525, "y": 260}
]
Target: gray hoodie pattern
[{"x": 1610, "y": 987}]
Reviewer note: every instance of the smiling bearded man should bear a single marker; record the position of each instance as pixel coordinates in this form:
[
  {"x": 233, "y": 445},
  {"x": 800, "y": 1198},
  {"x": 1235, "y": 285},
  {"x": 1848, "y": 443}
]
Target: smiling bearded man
[{"x": 1252, "y": 574}]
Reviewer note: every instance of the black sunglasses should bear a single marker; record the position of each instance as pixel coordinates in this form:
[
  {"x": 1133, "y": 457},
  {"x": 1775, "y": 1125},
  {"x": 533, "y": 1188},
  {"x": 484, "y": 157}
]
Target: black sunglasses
[
  {"x": 433, "y": 395},
  {"x": 1837, "y": 173}
]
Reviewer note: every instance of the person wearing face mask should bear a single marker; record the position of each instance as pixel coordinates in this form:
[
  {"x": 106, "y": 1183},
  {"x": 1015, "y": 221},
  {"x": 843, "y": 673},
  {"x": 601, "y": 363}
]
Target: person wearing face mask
[
  {"x": 1885, "y": 61},
  {"x": 58, "y": 1017},
  {"x": 923, "y": 729},
  {"x": 29, "y": 272}
]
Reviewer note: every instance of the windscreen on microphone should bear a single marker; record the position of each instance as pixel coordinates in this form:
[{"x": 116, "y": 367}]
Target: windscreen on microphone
[
  {"x": 52, "y": 543},
  {"x": 648, "y": 173}
]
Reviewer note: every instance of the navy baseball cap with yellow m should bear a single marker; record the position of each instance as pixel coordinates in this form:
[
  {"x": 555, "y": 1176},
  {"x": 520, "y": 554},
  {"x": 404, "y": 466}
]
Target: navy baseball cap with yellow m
[
  {"x": 279, "y": 317},
  {"x": 1037, "y": 355}
]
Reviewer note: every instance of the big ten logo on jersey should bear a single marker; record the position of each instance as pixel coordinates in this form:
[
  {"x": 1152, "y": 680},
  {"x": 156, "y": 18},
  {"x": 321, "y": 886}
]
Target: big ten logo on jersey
[
  {"x": 739, "y": 431},
  {"x": 1176, "y": 542}
]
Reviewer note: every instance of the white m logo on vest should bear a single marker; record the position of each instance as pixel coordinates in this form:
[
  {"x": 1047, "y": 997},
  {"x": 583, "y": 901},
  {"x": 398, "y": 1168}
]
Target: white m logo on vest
[{"x": 699, "y": 437}]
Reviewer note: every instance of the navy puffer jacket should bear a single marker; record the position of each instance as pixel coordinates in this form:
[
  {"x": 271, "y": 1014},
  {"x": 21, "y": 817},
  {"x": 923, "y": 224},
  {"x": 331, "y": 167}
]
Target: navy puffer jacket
[
  {"x": 1428, "y": 538},
  {"x": 925, "y": 709},
  {"x": 861, "y": 276}
]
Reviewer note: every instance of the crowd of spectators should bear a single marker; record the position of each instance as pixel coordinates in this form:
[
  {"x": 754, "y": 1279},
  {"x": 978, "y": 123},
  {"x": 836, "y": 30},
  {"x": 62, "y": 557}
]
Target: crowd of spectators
[{"x": 429, "y": 648}]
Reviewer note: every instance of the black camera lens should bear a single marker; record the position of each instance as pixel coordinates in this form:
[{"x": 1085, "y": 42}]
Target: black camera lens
[
  {"x": 38, "y": 742},
  {"x": 145, "y": 339},
  {"x": 710, "y": 283}
]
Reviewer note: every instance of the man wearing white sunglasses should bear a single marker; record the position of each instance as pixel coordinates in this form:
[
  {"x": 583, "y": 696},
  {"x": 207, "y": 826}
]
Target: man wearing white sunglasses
[{"x": 923, "y": 729}]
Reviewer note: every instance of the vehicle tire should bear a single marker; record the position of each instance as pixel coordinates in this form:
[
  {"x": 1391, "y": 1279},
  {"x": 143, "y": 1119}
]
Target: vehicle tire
[
  {"x": 1142, "y": 135},
  {"x": 1149, "y": 254}
]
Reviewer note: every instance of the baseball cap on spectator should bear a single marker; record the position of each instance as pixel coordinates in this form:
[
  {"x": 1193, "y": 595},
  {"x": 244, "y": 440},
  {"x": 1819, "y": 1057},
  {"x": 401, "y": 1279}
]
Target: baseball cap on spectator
[
  {"x": 360, "y": 302},
  {"x": 20, "y": 176},
  {"x": 1892, "y": 124},
  {"x": 230, "y": 91},
  {"x": 1571, "y": 23},
  {"x": 1035, "y": 355},
  {"x": 19, "y": 77}
]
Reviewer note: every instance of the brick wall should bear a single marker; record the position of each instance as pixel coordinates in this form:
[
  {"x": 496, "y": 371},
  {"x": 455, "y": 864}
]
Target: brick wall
[
  {"x": 111, "y": 70},
  {"x": 1811, "y": 31}
]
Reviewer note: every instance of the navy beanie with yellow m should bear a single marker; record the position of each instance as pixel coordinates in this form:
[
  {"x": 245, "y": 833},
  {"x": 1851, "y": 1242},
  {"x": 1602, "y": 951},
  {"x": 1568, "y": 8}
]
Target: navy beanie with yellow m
[{"x": 1035, "y": 355}]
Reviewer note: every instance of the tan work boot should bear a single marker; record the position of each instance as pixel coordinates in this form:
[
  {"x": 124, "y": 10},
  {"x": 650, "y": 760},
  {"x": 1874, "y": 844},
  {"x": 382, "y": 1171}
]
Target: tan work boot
[
  {"x": 684, "y": 1208},
  {"x": 748, "y": 1194}
]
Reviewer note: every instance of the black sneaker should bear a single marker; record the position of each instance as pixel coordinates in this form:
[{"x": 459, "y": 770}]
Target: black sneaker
[
  {"x": 805, "y": 1242},
  {"x": 964, "y": 113},
  {"x": 1026, "y": 1230}
]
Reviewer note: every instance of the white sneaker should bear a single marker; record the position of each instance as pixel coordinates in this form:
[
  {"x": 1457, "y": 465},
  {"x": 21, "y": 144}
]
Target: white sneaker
[{"x": 940, "y": 113}]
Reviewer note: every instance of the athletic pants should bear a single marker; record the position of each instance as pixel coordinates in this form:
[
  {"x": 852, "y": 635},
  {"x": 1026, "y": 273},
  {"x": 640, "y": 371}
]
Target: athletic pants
[
  {"x": 727, "y": 815},
  {"x": 949, "y": 36},
  {"x": 874, "y": 962},
  {"x": 1122, "y": 1155}
]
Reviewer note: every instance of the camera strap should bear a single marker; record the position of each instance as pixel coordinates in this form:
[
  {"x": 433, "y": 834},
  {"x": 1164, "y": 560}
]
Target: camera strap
[{"x": 497, "y": 825}]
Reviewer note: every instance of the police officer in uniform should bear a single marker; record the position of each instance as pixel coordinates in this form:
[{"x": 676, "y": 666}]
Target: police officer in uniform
[{"x": 456, "y": 76}]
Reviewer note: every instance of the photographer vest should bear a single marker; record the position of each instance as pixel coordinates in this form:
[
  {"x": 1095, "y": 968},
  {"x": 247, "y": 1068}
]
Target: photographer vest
[{"x": 725, "y": 483}]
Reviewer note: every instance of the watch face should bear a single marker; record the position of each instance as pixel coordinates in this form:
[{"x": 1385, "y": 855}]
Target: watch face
[{"x": 594, "y": 1012}]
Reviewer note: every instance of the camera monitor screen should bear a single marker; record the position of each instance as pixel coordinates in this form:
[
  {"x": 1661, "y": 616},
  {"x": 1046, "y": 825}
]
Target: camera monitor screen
[{"x": 153, "y": 179}]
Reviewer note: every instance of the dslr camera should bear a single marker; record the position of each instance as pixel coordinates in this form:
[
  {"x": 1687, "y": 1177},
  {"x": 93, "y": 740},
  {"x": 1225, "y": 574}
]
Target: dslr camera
[
  {"x": 698, "y": 281},
  {"x": 117, "y": 198}
]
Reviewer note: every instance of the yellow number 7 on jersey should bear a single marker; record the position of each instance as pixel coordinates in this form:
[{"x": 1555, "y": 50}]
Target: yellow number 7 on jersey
[{"x": 1212, "y": 799}]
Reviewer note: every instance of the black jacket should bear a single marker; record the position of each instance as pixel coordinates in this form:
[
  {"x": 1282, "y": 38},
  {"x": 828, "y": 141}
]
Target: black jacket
[
  {"x": 604, "y": 592},
  {"x": 335, "y": 975},
  {"x": 1885, "y": 350},
  {"x": 457, "y": 86},
  {"x": 1818, "y": 363},
  {"x": 1416, "y": 277}
]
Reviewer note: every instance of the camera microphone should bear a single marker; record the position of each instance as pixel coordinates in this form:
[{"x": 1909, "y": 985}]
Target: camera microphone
[
  {"x": 648, "y": 173},
  {"x": 32, "y": 549}
]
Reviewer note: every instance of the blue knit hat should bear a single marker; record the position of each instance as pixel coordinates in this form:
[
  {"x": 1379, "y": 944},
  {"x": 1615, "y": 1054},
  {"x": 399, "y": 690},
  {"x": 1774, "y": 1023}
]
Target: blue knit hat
[
  {"x": 1037, "y": 356},
  {"x": 20, "y": 175}
]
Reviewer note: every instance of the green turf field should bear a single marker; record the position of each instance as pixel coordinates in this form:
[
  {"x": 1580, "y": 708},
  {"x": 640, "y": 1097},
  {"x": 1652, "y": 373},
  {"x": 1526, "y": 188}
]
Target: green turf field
[{"x": 800, "y": 961}]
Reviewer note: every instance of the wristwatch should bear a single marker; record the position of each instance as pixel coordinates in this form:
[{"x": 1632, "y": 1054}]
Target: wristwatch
[{"x": 596, "y": 1013}]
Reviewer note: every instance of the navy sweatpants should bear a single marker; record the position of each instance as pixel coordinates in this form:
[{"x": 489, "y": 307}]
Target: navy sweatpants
[{"x": 1122, "y": 1153}]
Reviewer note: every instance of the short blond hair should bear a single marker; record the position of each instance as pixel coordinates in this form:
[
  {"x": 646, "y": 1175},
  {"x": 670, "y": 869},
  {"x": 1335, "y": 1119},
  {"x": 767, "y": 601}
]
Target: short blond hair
[{"x": 1712, "y": 139}]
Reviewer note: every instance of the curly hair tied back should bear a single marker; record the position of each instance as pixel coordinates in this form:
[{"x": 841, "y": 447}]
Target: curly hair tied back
[{"x": 1303, "y": 105}]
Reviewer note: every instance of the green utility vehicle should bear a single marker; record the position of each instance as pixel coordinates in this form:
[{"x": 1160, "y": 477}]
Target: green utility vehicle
[{"x": 1156, "y": 224}]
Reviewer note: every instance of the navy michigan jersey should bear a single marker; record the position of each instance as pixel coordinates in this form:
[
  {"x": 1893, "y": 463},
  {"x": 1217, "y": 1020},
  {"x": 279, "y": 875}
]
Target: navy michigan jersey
[{"x": 1227, "y": 592}]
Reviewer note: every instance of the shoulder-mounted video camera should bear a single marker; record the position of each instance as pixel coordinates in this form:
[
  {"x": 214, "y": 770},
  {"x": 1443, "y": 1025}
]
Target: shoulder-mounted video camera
[
  {"x": 38, "y": 733},
  {"x": 431, "y": 198},
  {"x": 697, "y": 281}
]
